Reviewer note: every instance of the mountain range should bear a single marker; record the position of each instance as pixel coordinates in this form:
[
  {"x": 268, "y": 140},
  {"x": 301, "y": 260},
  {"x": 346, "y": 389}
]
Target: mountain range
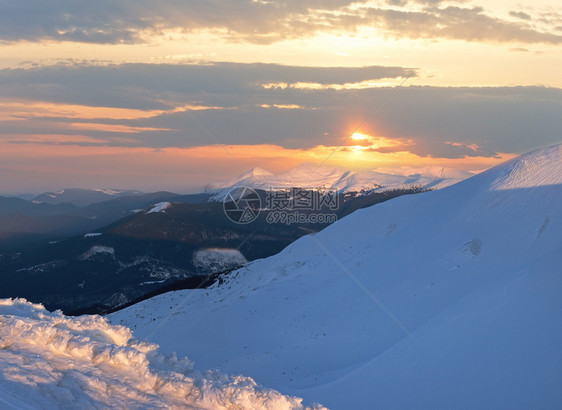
[
  {"x": 109, "y": 254},
  {"x": 324, "y": 177},
  {"x": 82, "y": 197}
]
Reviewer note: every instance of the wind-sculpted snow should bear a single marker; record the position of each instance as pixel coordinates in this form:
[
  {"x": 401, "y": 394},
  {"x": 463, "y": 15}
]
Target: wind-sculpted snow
[
  {"x": 48, "y": 360},
  {"x": 441, "y": 300}
]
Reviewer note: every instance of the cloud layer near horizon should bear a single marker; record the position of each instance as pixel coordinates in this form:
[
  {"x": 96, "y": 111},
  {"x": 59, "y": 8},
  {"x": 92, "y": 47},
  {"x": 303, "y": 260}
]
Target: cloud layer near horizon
[{"x": 162, "y": 106}]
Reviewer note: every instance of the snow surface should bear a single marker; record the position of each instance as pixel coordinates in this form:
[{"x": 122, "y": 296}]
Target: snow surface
[
  {"x": 110, "y": 192},
  {"x": 49, "y": 360},
  {"x": 311, "y": 177},
  {"x": 445, "y": 299},
  {"x": 96, "y": 250},
  {"x": 213, "y": 260},
  {"x": 92, "y": 234},
  {"x": 82, "y": 196},
  {"x": 159, "y": 207}
]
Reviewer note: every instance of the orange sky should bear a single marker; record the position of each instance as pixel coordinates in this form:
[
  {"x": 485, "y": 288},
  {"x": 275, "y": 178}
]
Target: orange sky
[{"x": 94, "y": 166}]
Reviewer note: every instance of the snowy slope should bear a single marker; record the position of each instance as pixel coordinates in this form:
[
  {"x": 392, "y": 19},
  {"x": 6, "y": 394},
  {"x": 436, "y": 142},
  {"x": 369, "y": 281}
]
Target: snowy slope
[
  {"x": 311, "y": 176},
  {"x": 48, "y": 360},
  {"x": 158, "y": 208},
  {"x": 446, "y": 299}
]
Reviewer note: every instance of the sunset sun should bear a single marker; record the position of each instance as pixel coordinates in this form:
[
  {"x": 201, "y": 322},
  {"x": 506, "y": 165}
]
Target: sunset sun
[{"x": 357, "y": 136}]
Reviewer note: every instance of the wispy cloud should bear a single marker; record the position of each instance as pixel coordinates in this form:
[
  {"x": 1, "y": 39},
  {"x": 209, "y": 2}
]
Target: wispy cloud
[
  {"x": 18, "y": 110},
  {"x": 113, "y": 128}
]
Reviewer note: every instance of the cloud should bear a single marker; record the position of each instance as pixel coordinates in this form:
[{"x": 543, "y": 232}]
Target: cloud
[
  {"x": 520, "y": 15},
  {"x": 154, "y": 109},
  {"x": 137, "y": 21}
]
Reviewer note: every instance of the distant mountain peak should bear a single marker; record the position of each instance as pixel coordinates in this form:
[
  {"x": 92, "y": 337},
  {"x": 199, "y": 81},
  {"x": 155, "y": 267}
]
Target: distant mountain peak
[
  {"x": 255, "y": 172},
  {"x": 260, "y": 171}
]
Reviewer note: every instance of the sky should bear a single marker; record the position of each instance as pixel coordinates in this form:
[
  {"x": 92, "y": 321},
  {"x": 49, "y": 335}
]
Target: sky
[{"x": 178, "y": 94}]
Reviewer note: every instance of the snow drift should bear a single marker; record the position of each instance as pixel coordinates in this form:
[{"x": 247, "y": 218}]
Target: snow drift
[
  {"x": 445, "y": 299},
  {"x": 48, "y": 360}
]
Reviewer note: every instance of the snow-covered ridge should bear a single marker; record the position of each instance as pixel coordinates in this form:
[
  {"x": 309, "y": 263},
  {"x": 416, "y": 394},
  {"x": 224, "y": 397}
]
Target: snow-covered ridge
[
  {"x": 48, "y": 360},
  {"x": 313, "y": 177},
  {"x": 535, "y": 169},
  {"x": 111, "y": 191}
]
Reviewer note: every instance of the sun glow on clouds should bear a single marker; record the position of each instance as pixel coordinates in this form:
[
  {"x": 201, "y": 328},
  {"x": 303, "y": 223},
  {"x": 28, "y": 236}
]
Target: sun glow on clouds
[
  {"x": 284, "y": 106},
  {"x": 81, "y": 149},
  {"x": 338, "y": 87},
  {"x": 356, "y": 136},
  {"x": 360, "y": 142}
]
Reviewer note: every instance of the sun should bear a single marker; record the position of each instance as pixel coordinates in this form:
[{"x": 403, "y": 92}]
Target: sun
[{"x": 357, "y": 136}]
